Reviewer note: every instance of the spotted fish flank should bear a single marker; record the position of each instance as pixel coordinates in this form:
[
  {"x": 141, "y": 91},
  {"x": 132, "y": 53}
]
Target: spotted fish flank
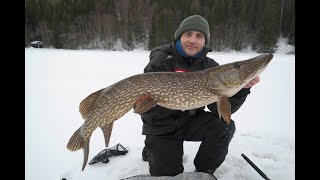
[{"x": 172, "y": 90}]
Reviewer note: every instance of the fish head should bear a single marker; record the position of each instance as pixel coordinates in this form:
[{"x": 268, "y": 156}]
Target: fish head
[{"x": 228, "y": 79}]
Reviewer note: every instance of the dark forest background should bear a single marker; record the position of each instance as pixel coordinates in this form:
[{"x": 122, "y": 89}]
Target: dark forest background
[{"x": 104, "y": 24}]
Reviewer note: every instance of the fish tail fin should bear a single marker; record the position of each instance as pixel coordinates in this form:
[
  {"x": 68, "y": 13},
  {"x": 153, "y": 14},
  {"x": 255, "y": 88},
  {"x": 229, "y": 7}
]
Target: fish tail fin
[
  {"x": 76, "y": 141},
  {"x": 85, "y": 154}
]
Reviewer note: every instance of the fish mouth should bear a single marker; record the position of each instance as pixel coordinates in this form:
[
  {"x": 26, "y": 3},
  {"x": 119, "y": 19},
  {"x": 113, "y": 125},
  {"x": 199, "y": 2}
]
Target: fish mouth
[
  {"x": 265, "y": 59},
  {"x": 252, "y": 65},
  {"x": 250, "y": 68}
]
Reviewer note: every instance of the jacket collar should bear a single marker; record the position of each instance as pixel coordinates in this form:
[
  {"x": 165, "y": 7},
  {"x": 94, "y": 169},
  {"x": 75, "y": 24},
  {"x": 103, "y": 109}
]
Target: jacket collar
[{"x": 179, "y": 57}]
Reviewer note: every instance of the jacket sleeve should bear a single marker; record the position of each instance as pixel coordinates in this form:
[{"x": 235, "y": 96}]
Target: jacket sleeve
[
  {"x": 151, "y": 68},
  {"x": 156, "y": 57}
]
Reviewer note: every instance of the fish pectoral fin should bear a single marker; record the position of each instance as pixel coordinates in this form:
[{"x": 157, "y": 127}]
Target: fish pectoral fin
[
  {"x": 107, "y": 129},
  {"x": 143, "y": 104},
  {"x": 224, "y": 109}
]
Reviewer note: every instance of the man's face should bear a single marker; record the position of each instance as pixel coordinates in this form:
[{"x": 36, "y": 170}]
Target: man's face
[{"x": 192, "y": 42}]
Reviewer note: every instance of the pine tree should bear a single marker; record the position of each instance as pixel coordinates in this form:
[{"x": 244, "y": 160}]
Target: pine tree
[{"x": 269, "y": 33}]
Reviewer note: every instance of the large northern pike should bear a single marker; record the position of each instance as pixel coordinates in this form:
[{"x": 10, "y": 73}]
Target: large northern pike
[{"x": 172, "y": 90}]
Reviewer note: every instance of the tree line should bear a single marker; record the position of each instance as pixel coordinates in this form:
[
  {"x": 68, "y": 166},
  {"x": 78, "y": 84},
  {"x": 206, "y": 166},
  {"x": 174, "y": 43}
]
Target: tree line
[{"x": 104, "y": 24}]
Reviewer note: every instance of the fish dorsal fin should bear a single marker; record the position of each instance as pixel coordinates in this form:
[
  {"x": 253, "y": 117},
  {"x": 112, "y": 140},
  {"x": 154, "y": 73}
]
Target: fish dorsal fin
[
  {"x": 224, "y": 109},
  {"x": 143, "y": 104},
  {"x": 87, "y": 103}
]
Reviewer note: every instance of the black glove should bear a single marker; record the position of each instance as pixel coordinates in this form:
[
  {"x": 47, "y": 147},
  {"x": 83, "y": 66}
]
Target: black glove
[{"x": 106, "y": 153}]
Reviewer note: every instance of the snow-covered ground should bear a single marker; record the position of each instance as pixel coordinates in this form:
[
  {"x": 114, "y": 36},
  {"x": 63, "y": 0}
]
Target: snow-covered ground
[{"x": 57, "y": 80}]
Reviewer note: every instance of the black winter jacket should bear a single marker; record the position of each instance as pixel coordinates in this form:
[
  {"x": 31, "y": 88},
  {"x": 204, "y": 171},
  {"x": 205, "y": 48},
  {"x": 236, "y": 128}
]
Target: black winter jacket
[{"x": 166, "y": 58}]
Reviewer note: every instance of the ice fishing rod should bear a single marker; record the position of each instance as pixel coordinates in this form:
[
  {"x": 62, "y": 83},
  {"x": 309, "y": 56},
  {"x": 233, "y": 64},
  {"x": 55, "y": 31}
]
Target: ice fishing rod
[{"x": 255, "y": 167}]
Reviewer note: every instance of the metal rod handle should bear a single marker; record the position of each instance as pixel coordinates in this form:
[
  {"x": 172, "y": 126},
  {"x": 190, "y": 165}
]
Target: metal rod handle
[{"x": 255, "y": 167}]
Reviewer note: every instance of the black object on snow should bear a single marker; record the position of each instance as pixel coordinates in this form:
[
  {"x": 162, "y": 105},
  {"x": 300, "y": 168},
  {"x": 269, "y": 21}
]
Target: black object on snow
[
  {"x": 255, "y": 167},
  {"x": 107, "y": 153}
]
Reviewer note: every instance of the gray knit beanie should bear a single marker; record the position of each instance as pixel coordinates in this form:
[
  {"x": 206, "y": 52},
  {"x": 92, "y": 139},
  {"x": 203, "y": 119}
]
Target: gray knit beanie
[{"x": 194, "y": 23}]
